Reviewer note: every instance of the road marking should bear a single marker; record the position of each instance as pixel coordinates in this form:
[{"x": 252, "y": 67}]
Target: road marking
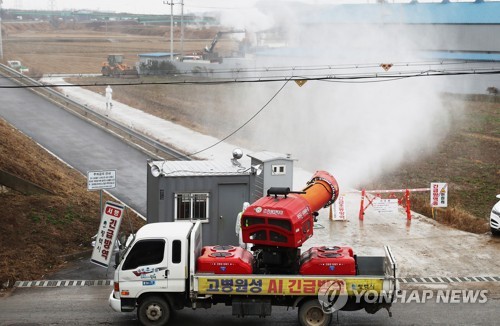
[
  {"x": 406, "y": 280},
  {"x": 463, "y": 279},
  {"x": 62, "y": 283}
]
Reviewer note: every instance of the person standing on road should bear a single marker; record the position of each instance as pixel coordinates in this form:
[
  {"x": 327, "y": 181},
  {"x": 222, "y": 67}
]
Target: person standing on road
[
  {"x": 238, "y": 226},
  {"x": 109, "y": 98}
]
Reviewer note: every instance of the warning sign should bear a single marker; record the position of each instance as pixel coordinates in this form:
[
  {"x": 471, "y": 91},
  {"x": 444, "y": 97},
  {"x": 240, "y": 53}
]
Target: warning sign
[
  {"x": 300, "y": 82},
  {"x": 389, "y": 205},
  {"x": 97, "y": 180},
  {"x": 106, "y": 235},
  {"x": 340, "y": 211},
  {"x": 386, "y": 66},
  {"x": 439, "y": 194}
]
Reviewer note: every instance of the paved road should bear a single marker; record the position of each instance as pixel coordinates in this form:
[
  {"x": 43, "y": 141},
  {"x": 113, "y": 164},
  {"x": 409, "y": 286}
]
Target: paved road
[
  {"x": 79, "y": 143},
  {"x": 88, "y": 306}
]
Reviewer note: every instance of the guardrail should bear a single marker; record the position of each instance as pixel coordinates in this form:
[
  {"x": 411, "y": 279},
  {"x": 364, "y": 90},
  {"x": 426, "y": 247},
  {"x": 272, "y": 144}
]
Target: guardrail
[{"x": 138, "y": 140}]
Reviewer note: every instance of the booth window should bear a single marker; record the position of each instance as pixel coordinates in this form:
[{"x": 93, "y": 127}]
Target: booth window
[
  {"x": 191, "y": 206},
  {"x": 278, "y": 169}
]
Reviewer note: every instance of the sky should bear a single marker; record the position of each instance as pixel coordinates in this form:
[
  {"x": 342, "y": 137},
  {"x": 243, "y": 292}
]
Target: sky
[
  {"x": 157, "y": 6},
  {"x": 147, "y": 6}
]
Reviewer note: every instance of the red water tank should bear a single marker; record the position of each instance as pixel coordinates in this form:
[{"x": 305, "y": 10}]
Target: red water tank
[
  {"x": 328, "y": 261},
  {"x": 225, "y": 260}
]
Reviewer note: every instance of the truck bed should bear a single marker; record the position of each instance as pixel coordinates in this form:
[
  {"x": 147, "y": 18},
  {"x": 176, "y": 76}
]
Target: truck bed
[{"x": 375, "y": 273}]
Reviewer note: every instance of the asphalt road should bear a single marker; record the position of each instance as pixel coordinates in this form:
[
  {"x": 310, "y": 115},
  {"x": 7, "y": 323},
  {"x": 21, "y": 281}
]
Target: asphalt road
[
  {"x": 79, "y": 143},
  {"x": 89, "y": 306}
]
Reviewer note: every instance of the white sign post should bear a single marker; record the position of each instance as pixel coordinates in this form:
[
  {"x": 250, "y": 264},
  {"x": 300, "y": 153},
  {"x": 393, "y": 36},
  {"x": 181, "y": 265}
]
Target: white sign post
[
  {"x": 106, "y": 236},
  {"x": 389, "y": 205},
  {"x": 439, "y": 194},
  {"x": 99, "y": 180}
]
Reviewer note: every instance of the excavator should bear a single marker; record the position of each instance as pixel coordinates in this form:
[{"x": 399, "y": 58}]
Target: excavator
[
  {"x": 208, "y": 51},
  {"x": 115, "y": 67}
]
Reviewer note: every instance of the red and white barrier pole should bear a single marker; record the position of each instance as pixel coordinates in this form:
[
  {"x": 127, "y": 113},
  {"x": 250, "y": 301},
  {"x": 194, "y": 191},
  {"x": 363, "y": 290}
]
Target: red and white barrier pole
[
  {"x": 408, "y": 205},
  {"x": 406, "y": 197},
  {"x": 362, "y": 206}
]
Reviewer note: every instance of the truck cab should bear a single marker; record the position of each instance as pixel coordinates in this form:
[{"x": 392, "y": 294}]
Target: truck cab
[{"x": 156, "y": 260}]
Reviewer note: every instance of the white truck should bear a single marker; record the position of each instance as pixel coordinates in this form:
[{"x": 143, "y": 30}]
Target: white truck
[
  {"x": 16, "y": 65},
  {"x": 161, "y": 271}
]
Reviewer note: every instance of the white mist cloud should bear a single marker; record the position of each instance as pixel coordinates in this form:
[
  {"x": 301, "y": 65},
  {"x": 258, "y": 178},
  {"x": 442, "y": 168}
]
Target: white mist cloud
[{"x": 354, "y": 130}]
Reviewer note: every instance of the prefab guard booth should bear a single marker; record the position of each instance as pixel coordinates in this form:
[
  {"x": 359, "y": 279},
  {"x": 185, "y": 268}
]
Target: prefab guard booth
[{"x": 212, "y": 191}]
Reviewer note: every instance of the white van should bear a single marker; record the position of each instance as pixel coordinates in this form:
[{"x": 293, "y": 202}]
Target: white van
[{"x": 495, "y": 218}]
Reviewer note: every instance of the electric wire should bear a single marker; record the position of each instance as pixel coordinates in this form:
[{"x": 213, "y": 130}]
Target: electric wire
[
  {"x": 344, "y": 78},
  {"x": 319, "y": 68},
  {"x": 245, "y": 123},
  {"x": 370, "y": 77},
  {"x": 372, "y": 81}
]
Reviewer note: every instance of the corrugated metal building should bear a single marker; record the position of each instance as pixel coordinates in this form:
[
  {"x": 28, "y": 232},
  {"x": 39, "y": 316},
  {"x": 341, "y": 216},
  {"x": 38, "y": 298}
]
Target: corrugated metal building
[{"x": 212, "y": 191}]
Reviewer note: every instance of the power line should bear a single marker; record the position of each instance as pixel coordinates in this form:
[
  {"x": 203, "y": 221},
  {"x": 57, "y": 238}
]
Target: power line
[
  {"x": 345, "y": 77},
  {"x": 319, "y": 68},
  {"x": 244, "y": 124}
]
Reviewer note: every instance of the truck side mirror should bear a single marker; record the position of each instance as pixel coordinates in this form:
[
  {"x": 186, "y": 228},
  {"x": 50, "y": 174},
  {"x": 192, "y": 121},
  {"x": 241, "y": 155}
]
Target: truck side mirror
[
  {"x": 117, "y": 259},
  {"x": 123, "y": 240}
]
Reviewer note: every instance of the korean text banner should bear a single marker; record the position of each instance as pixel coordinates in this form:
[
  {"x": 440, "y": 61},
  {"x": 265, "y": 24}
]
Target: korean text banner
[{"x": 106, "y": 236}]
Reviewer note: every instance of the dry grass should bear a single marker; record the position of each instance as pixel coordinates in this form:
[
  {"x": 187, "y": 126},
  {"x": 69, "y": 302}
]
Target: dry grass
[
  {"x": 467, "y": 159},
  {"x": 41, "y": 229},
  {"x": 454, "y": 216}
]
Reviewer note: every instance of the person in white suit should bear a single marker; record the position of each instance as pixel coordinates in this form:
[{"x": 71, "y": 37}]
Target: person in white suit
[
  {"x": 238, "y": 226},
  {"x": 109, "y": 98}
]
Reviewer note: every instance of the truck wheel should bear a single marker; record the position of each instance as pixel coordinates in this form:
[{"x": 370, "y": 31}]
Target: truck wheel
[
  {"x": 311, "y": 314},
  {"x": 153, "y": 311}
]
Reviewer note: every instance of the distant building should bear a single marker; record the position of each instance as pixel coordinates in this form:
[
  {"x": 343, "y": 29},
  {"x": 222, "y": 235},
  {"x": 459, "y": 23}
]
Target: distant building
[
  {"x": 445, "y": 30},
  {"x": 156, "y": 56},
  {"x": 157, "y": 63}
]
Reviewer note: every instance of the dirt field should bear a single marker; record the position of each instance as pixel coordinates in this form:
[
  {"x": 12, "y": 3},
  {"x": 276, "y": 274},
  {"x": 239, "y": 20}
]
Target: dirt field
[
  {"x": 43, "y": 228},
  {"x": 82, "y": 48}
]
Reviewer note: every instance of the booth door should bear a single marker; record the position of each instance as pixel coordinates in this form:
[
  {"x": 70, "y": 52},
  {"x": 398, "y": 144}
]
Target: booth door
[{"x": 231, "y": 199}]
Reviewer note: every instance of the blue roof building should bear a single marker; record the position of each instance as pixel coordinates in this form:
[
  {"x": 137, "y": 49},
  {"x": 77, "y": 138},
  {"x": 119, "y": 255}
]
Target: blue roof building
[
  {"x": 411, "y": 13},
  {"x": 444, "y": 31}
]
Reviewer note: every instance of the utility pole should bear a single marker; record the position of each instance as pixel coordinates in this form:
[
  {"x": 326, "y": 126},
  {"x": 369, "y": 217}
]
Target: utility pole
[
  {"x": 171, "y": 3},
  {"x": 182, "y": 28},
  {"x": 52, "y": 5},
  {"x": 1, "y": 44}
]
